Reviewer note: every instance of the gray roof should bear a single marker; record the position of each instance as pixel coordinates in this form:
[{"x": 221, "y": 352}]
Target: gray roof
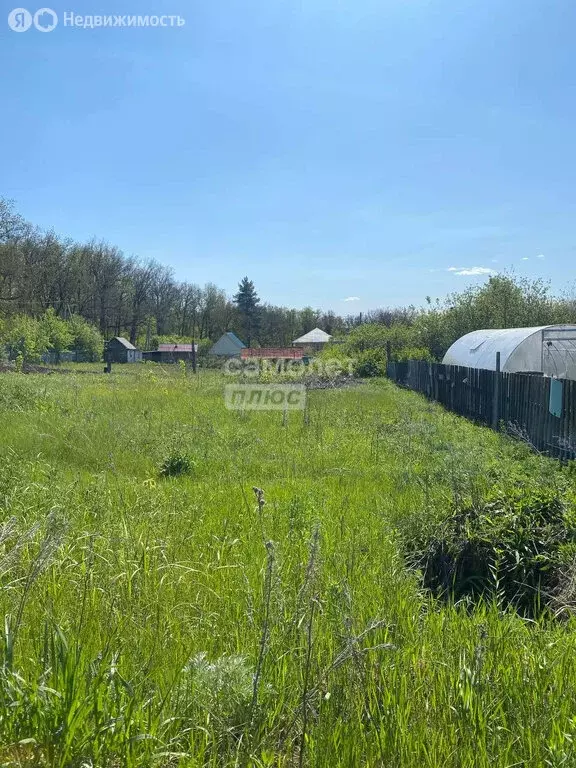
[
  {"x": 317, "y": 336},
  {"x": 227, "y": 344},
  {"x": 125, "y": 343},
  {"x": 235, "y": 340}
]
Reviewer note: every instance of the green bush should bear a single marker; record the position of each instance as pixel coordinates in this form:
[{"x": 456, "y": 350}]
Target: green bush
[
  {"x": 26, "y": 337},
  {"x": 414, "y": 353},
  {"x": 513, "y": 545},
  {"x": 86, "y": 339},
  {"x": 176, "y": 464},
  {"x": 370, "y": 363}
]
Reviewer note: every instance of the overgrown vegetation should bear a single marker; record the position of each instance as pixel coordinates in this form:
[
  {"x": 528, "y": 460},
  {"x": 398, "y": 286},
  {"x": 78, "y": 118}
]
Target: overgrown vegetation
[
  {"x": 514, "y": 546},
  {"x": 259, "y": 611},
  {"x": 30, "y": 338}
]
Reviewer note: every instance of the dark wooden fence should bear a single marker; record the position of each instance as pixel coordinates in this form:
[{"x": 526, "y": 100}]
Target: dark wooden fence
[{"x": 535, "y": 408}]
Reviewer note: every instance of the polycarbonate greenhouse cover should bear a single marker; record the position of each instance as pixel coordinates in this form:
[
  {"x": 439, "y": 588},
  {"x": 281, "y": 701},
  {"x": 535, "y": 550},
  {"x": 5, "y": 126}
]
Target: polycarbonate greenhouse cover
[{"x": 478, "y": 349}]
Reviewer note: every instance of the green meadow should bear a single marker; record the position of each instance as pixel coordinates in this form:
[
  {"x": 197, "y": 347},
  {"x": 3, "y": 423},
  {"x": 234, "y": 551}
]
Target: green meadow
[{"x": 156, "y": 617}]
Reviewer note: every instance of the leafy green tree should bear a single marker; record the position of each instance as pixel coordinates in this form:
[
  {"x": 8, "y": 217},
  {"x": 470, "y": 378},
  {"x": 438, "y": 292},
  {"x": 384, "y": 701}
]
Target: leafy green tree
[
  {"x": 309, "y": 319},
  {"x": 86, "y": 339},
  {"x": 57, "y": 332},
  {"x": 247, "y": 302},
  {"x": 405, "y": 341},
  {"x": 26, "y": 337}
]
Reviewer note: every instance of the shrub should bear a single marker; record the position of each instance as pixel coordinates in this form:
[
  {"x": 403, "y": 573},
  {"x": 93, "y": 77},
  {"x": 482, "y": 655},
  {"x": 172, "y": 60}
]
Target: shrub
[
  {"x": 176, "y": 464},
  {"x": 414, "y": 353},
  {"x": 222, "y": 689},
  {"x": 370, "y": 363},
  {"x": 27, "y": 337},
  {"x": 86, "y": 339},
  {"x": 512, "y": 545},
  {"x": 57, "y": 332}
]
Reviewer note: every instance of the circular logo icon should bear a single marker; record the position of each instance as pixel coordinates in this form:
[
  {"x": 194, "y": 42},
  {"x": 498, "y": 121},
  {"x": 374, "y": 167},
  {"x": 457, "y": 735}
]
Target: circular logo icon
[
  {"x": 45, "y": 20},
  {"x": 19, "y": 20}
]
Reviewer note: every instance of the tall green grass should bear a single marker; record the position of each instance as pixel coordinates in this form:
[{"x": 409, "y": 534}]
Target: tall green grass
[{"x": 159, "y": 619}]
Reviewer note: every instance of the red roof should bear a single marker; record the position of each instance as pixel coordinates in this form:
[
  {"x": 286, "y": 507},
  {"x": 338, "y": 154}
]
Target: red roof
[{"x": 293, "y": 353}]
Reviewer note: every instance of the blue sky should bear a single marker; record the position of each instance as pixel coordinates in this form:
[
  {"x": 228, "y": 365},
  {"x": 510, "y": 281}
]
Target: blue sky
[{"x": 373, "y": 149}]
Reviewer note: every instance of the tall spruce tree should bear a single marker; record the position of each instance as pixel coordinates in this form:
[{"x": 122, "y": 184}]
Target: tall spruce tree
[{"x": 247, "y": 302}]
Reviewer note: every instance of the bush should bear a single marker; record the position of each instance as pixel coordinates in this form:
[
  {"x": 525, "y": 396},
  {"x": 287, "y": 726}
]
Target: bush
[
  {"x": 370, "y": 363},
  {"x": 57, "y": 332},
  {"x": 414, "y": 353},
  {"x": 30, "y": 338},
  {"x": 26, "y": 337},
  {"x": 221, "y": 690},
  {"x": 513, "y": 545},
  {"x": 86, "y": 339},
  {"x": 176, "y": 464}
]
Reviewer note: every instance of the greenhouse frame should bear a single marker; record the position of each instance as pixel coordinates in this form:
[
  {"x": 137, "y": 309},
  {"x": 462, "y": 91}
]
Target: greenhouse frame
[{"x": 549, "y": 350}]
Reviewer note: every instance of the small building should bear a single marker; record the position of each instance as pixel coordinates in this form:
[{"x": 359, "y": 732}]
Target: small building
[
  {"x": 547, "y": 349},
  {"x": 171, "y": 353},
  {"x": 272, "y": 353},
  {"x": 313, "y": 341},
  {"x": 228, "y": 345},
  {"x": 120, "y": 350}
]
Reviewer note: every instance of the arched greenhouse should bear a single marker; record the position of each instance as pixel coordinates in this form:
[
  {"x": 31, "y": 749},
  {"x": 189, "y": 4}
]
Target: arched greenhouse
[{"x": 547, "y": 349}]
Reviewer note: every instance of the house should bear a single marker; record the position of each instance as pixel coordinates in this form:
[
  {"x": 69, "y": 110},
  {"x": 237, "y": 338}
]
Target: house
[
  {"x": 170, "y": 353},
  {"x": 313, "y": 341},
  {"x": 120, "y": 350},
  {"x": 228, "y": 345}
]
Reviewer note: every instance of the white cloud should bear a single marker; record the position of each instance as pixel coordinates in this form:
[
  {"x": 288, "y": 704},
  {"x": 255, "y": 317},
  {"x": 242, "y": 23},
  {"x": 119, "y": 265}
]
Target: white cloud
[
  {"x": 540, "y": 256},
  {"x": 525, "y": 258},
  {"x": 471, "y": 271},
  {"x": 352, "y": 298}
]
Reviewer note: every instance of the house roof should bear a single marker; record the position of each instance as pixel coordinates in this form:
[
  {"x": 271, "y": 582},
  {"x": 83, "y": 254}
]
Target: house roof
[
  {"x": 125, "y": 343},
  {"x": 316, "y": 336},
  {"x": 227, "y": 344},
  {"x": 235, "y": 340}
]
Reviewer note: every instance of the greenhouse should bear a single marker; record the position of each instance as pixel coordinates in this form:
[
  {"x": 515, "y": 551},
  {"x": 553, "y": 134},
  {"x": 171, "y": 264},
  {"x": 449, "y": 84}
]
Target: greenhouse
[{"x": 548, "y": 349}]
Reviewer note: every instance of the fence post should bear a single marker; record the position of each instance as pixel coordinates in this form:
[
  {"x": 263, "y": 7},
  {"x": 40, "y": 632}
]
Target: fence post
[
  {"x": 496, "y": 395},
  {"x": 193, "y": 355}
]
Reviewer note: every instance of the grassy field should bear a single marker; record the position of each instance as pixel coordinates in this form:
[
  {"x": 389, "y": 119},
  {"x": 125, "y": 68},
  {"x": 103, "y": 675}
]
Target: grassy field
[{"x": 154, "y": 621}]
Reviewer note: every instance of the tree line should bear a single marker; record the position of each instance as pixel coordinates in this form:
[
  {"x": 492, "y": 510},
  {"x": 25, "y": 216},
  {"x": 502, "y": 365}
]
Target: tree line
[
  {"x": 124, "y": 295},
  {"x": 93, "y": 288}
]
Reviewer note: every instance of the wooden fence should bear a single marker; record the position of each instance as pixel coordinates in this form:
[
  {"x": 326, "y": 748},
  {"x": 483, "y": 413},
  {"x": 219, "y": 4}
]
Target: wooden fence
[{"x": 535, "y": 408}]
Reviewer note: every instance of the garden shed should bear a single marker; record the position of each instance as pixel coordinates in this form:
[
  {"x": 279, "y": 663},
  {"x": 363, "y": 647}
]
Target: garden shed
[
  {"x": 315, "y": 340},
  {"x": 120, "y": 350},
  {"x": 171, "y": 353},
  {"x": 228, "y": 345},
  {"x": 547, "y": 349}
]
